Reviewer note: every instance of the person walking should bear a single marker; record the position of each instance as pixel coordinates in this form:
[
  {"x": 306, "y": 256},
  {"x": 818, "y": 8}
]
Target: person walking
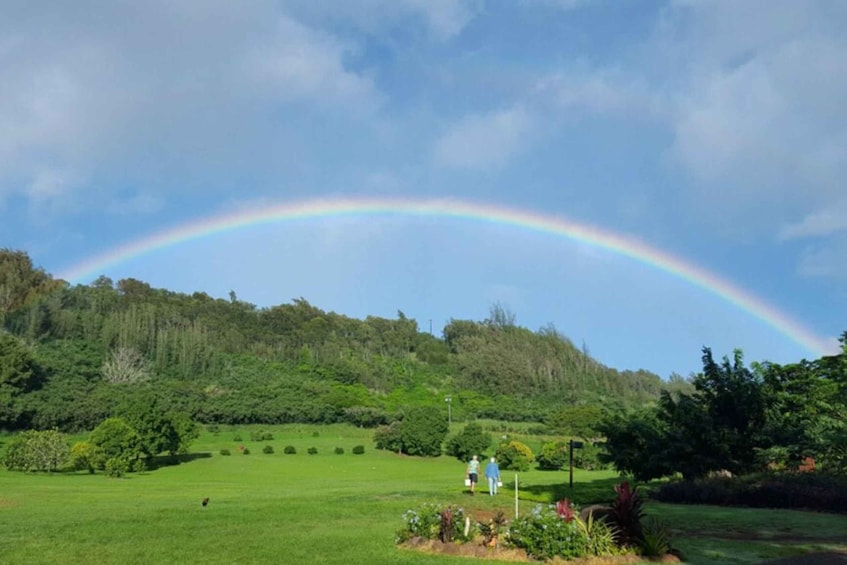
[
  {"x": 492, "y": 473},
  {"x": 472, "y": 472}
]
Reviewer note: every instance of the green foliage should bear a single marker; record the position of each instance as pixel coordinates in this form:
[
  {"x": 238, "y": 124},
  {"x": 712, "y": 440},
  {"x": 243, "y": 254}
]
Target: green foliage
[
  {"x": 389, "y": 437},
  {"x": 582, "y": 421},
  {"x": 261, "y": 435},
  {"x": 225, "y": 451},
  {"x": 312, "y": 451},
  {"x": 116, "y": 467},
  {"x": 245, "y": 451},
  {"x": 358, "y": 450},
  {"x": 37, "y": 451},
  {"x": 591, "y": 457},
  {"x": 422, "y": 431},
  {"x": 237, "y": 437},
  {"x": 118, "y": 442},
  {"x": 289, "y": 450},
  {"x": 543, "y": 534},
  {"x": 811, "y": 490},
  {"x": 514, "y": 455},
  {"x": 434, "y": 521},
  {"x": 268, "y": 449},
  {"x": 656, "y": 538},
  {"x": 553, "y": 455},
  {"x": 85, "y": 456},
  {"x": 339, "y": 451},
  {"x": 472, "y": 440}
]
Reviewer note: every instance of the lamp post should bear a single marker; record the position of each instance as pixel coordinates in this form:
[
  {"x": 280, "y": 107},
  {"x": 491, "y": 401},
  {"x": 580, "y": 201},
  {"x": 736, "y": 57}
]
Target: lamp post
[{"x": 449, "y": 401}]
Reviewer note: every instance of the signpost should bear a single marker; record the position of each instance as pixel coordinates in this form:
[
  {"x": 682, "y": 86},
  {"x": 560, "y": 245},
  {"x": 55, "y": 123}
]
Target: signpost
[{"x": 573, "y": 445}]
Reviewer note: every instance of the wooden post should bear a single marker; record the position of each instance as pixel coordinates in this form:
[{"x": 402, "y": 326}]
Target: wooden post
[{"x": 571, "y": 465}]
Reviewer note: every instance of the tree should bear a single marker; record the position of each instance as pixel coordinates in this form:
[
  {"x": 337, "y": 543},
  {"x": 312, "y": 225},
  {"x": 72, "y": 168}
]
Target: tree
[
  {"x": 514, "y": 455},
  {"x": 553, "y": 456},
  {"x": 635, "y": 444},
  {"x": 117, "y": 441},
  {"x": 472, "y": 440},
  {"x": 582, "y": 420},
  {"x": 37, "y": 451},
  {"x": 423, "y": 431},
  {"x": 125, "y": 366}
]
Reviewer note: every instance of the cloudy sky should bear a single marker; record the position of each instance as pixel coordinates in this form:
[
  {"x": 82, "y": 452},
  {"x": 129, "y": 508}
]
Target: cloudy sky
[{"x": 715, "y": 132}]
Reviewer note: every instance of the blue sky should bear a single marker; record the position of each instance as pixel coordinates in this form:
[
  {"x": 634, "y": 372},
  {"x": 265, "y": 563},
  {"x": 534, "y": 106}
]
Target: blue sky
[{"x": 714, "y": 131}]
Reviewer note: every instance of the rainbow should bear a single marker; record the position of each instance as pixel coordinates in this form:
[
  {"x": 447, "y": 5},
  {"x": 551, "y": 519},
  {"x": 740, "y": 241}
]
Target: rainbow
[{"x": 462, "y": 210}]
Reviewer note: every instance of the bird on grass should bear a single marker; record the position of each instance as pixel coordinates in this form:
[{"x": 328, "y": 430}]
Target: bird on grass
[{"x": 205, "y": 501}]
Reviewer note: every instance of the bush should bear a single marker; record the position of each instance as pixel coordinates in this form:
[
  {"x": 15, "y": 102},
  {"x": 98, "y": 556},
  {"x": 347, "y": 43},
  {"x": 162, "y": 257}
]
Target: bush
[
  {"x": 339, "y": 451},
  {"x": 37, "y": 451},
  {"x": 514, "y": 455},
  {"x": 470, "y": 441},
  {"x": 543, "y": 534},
  {"x": 116, "y": 467},
  {"x": 261, "y": 436},
  {"x": 85, "y": 456},
  {"x": 553, "y": 456},
  {"x": 312, "y": 451},
  {"x": 268, "y": 449},
  {"x": 359, "y": 450},
  {"x": 316, "y": 434},
  {"x": 289, "y": 450},
  {"x": 431, "y": 521},
  {"x": 225, "y": 451},
  {"x": 245, "y": 451},
  {"x": 237, "y": 437}
]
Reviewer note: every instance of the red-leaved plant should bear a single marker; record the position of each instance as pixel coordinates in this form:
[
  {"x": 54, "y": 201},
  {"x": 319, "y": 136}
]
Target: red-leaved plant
[
  {"x": 565, "y": 510},
  {"x": 627, "y": 512}
]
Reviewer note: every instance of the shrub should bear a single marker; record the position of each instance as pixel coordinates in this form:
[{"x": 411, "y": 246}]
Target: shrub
[
  {"x": 339, "y": 451},
  {"x": 544, "y": 534},
  {"x": 289, "y": 450},
  {"x": 514, "y": 455},
  {"x": 358, "y": 450},
  {"x": 116, "y": 467},
  {"x": 225, "y": 451},
  {"x": 431, "y": 521},
  {"x": 245, "y": 451},
  {"x": 37, "y": 451},
  {"x": 590, "y": 457},
  {"x": 312, "y": 451},
  {"x": 316, "y": 434},
  {"x": 656, "y": 538},
  {"x": 213, "y": 428},
  {"x": 553, "y": 456},
  {"x": 261, "y": 436},
  {"x": 470, "y": 441},
  {"x": 268, "y": 449},
  {"x": 85, "y": 455},
  {"x": 237, "y": 437},
  {"x": 627, "y": 512}
]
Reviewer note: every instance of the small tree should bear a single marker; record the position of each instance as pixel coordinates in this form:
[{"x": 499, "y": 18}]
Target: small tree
[
  {"x": 37, "y": 451},
  {"x": 553, "y": 456},
  {"x": 514, "y": 455},
  {"x": 86, "y": 456},
  {"x": 118, "y": 442},
  {"x": 470, "y": 441},
  {"x": 423, "y": 431}
]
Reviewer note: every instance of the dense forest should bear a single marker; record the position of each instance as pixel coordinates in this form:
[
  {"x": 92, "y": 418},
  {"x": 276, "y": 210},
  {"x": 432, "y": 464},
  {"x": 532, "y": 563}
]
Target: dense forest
[{"x": 69, "y": 354}]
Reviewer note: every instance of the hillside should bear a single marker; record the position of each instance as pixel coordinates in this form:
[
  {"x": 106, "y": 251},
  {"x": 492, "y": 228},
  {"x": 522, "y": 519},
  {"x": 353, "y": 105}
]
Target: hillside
[{"x": 71, "y": 353}]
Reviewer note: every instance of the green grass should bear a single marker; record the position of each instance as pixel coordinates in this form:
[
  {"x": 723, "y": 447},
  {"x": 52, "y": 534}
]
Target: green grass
[{"x": 326, "y": 508}]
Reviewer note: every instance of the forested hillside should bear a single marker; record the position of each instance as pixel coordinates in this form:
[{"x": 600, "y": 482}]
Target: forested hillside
[{"x": 70, "y": 354}]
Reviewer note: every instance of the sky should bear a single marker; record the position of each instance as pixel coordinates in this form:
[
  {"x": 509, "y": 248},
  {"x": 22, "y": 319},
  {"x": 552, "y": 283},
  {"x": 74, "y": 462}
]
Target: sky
[{"x": 712, "y": 133}]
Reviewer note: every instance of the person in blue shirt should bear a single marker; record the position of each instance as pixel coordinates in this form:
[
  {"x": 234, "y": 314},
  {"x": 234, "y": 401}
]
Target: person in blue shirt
[{"x": 492, "y": 473}]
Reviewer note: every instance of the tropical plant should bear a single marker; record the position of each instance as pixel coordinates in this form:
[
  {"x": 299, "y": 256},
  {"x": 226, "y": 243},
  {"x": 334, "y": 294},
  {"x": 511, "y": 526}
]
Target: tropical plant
[{"x": 514, "y": 455}]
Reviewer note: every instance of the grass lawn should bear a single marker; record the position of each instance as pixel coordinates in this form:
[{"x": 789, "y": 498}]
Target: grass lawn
[{"x": 323, "y": 508}]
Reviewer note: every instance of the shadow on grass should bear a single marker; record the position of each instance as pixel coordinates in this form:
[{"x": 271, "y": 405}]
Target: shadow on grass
[
  {"x": 598, "y": 491},
  {"x": 160, "y": 461}
]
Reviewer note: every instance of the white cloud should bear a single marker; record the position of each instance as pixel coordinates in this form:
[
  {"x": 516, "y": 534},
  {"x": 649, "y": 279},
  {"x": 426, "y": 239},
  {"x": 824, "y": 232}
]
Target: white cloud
[
  {"x": 172, "y": 85},
  {"x": 819, "y": 223},
  {"x": 484, "y": 141},
  {"x": 443, "y": 19},
  {"x": 827, "y": 259}
]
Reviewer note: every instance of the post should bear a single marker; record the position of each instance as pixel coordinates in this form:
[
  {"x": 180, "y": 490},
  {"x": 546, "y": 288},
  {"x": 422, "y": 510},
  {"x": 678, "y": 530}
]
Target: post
[
  {"x": 516, "y": 495},
  {"x": 449, "y": 401},
  {"x": 571, "y": 464}
]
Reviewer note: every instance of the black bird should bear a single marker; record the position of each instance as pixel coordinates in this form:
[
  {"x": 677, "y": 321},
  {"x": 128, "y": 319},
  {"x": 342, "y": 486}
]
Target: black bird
[{"x": 205, "y": 501}]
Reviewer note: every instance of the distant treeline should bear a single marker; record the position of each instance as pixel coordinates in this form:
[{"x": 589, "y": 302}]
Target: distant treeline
[{"x": 69, "y": 354}]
